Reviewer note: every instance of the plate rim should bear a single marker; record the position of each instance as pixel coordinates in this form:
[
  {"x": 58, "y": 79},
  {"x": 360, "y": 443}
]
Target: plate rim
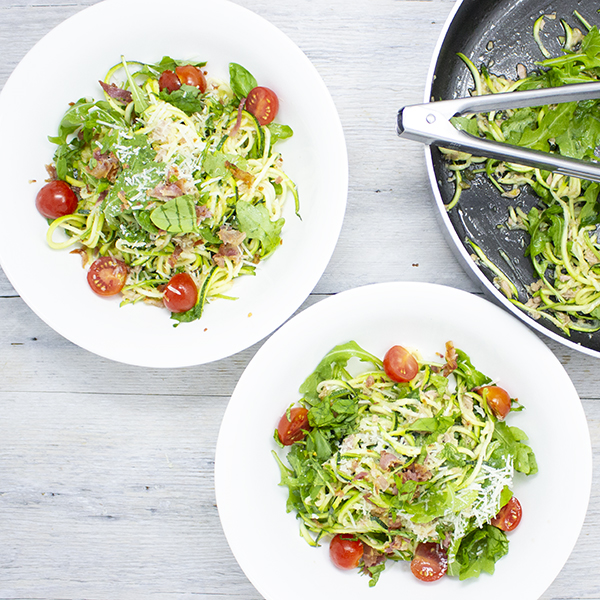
[
  {"x": 221, "y": 456},
  {"x": 291, "y": 301}
]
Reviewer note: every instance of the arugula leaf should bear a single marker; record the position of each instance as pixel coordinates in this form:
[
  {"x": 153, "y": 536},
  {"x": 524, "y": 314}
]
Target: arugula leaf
[
  {"x": 167, "y": 63},
  {"x": 241, "y": 80},
  {"x": 472, "y": 377},
  {"x": 466, "y": 124},
  {"x": 340, "y": 355},
  {"x": 187, "y": 98},
  {"x": 479, "y": 551},
  {"x": 511, "y": 444},
  {"x": 139, "y": 99}
]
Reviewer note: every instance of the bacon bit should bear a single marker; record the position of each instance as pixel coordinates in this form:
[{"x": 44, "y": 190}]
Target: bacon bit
[
  {"x": 238, "y": 173},
  {"x": 116, "y": 92},
  {"x": 238, "y": 121},
  {"x": 256, "y": 259},
  {"x": 227, "y": 251},
  {"x": 388, "y": 460},
  {"x": 107, "y": 166},
  {"x": 398, "y": 543},
  {"x": 361, "y": 475},
  {"x": 451, "y": 359},
  {"x": 83, "y": 254},
  {"x": 231, "y": 236},
  {"x": 381, "y": 483},
  {"x": 165, "y": 190},
  {"x": 173, "y": 258},
  {"x": 369, "y": 381},
  {"x": 371, "y": 557},
  {"x": 416, "y": 472},
  {"x": 203, "y": 212},
  {"x": 51, "y": 170}
]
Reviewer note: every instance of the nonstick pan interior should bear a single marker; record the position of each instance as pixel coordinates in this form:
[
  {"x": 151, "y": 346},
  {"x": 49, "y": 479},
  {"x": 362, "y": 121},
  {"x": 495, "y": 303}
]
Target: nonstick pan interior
[{"x": 499, "y": 34}]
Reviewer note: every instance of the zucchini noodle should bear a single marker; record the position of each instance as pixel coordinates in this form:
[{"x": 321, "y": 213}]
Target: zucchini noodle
[{"x": 172, "y": 181}]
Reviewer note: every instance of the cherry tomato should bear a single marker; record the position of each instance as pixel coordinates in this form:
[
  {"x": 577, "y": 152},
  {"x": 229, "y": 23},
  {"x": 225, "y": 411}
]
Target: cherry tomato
[
  {"x": 169, "y": 81},
  {"x": 181, "y": 293},
  {"x": 497, "y": 399},
  {"x": 190, "y": 75},
  {"x": 56, "y": 199},
  {"x": 430, "y": 562},
  {"x": 509, "y": 516},
  {"x": 399, "y": 364},
  {"x": 293, "y": 429},
  {"x": 345, "y": 551},
  {"x": 263, "y": 104},
  {"x": 107, "y": 276}
]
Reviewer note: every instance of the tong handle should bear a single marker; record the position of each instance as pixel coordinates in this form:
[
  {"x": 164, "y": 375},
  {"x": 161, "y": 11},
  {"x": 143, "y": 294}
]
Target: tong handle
[{"x": 430, "y": 124}]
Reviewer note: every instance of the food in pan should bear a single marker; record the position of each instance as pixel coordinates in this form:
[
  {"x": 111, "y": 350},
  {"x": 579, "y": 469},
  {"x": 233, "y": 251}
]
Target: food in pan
[
  {"x": 171, "y": 186},
  {"x": 564, "y": 228},
  {"x": 404, "y": 460}
]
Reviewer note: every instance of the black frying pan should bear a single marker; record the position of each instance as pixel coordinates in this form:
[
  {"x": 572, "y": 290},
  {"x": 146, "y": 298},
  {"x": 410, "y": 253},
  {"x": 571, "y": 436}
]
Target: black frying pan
[{"x": 498, "y": 33}]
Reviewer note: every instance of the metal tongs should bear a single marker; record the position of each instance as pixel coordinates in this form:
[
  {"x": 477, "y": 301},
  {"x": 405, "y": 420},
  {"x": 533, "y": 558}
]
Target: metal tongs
[{"x": 430, "y": 124}]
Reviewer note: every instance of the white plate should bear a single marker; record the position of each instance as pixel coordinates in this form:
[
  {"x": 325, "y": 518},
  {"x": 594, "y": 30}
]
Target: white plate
[
  {"x": 65, "y": 66},
  {"x": 265, "y": 539}
]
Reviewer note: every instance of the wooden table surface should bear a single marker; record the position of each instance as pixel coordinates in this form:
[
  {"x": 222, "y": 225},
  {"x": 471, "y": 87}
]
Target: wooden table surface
[{"x": 106, "y": 470}]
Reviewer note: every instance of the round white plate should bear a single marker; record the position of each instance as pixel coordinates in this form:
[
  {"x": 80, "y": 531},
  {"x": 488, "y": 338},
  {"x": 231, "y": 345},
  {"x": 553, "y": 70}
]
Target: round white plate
[
  {"x": 65, "y": 66},
  {"x": 265, "y": 539}
]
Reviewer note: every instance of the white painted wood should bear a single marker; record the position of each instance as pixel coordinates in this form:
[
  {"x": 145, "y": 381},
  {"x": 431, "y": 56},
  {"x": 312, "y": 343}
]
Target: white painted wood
[{"x": 106, "y": 470}]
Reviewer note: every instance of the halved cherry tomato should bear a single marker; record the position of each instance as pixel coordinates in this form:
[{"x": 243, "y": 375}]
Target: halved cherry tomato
[
  {"x": 497, "y": 399},
  {"x": 263, "y": 104},
  {"x": 293, "y": 429},
  {"x": 56, "y": 199},
  {"x": 509, "y": 516},
  {"x": 399, "y": 364},
  {"x": 190, "y": 75},
  {"x": 430, "y": 562},
  {"x": 107, "y": 276},
  {"x": 181, "y": 293},
  {"x": 169, "y": 81},
  {"x": 345, "y": 551}
]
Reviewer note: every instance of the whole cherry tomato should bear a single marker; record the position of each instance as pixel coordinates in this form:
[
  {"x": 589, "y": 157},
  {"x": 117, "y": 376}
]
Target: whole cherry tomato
[
  {"x": 345, "y": 551},
  {"x": 181, "y": 293},
  {"x": 56, "y": 199},
  {"x": 169, "y": 81}
]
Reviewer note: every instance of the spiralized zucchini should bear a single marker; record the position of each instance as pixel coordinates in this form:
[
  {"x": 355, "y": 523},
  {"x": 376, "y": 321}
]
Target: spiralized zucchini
[{"x": 172, "y": 181}]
